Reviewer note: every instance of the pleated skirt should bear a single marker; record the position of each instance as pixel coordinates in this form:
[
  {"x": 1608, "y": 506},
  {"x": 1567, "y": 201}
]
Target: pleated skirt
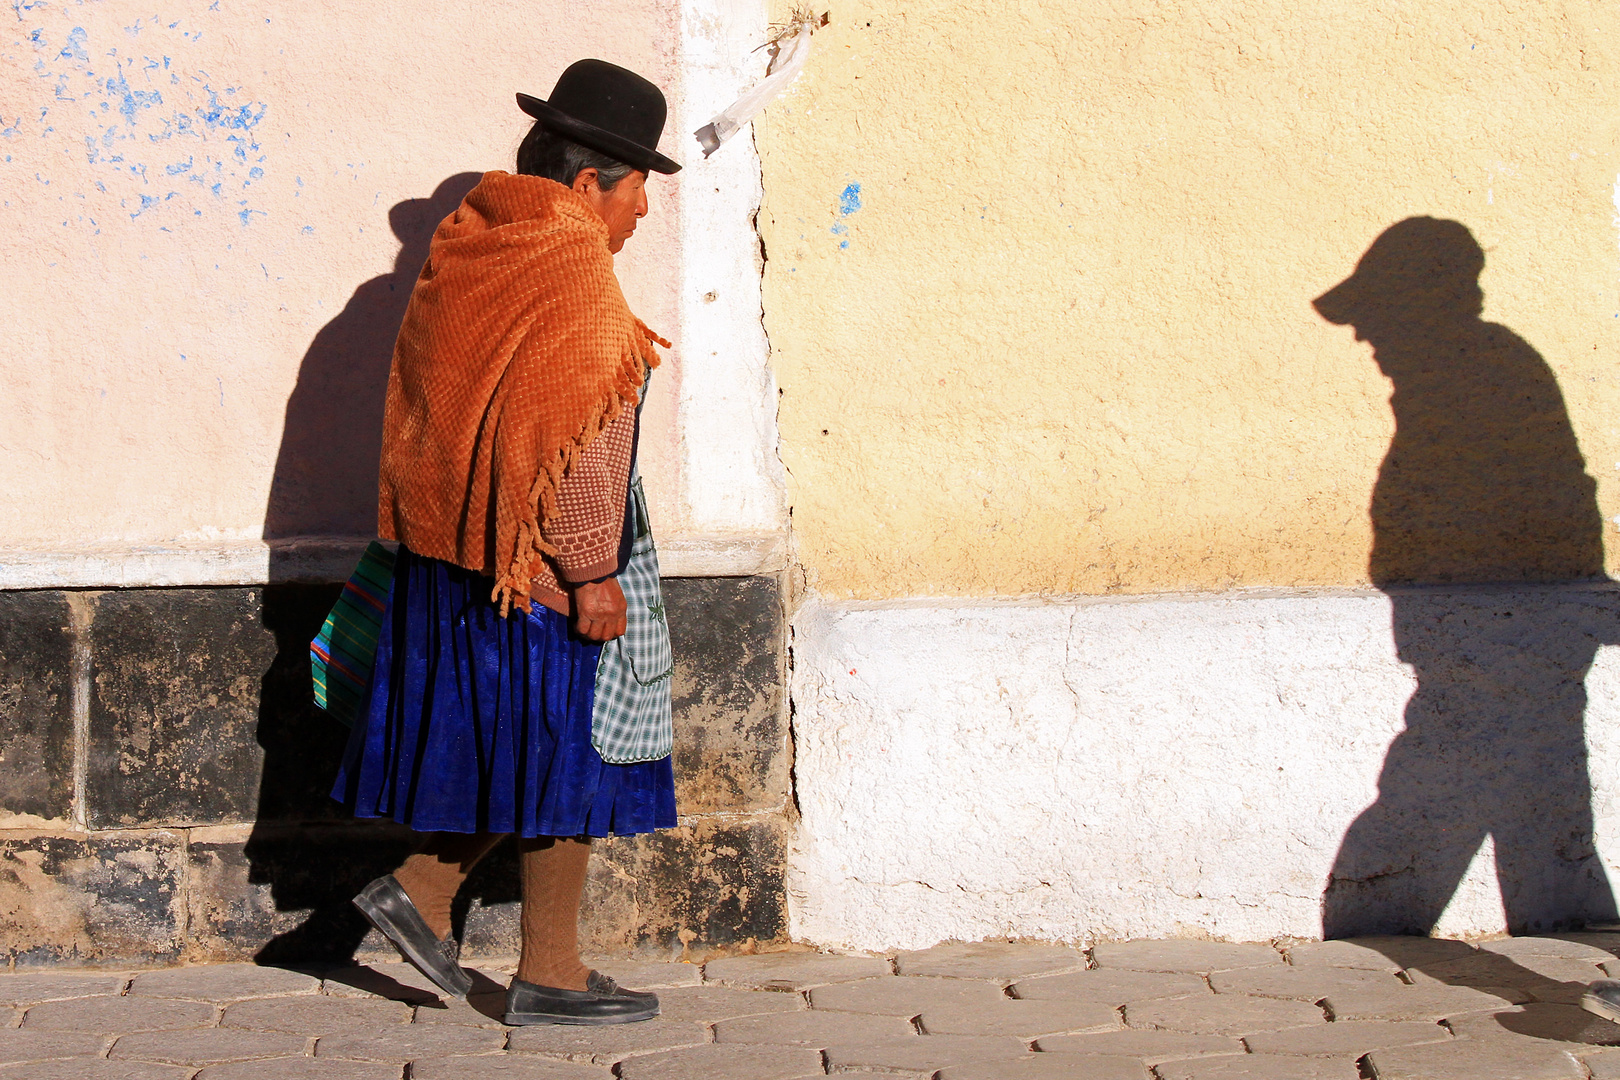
[{"x": 475, "y": 723}]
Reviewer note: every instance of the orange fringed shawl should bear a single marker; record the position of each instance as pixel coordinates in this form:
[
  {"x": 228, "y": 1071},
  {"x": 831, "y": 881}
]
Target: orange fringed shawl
[{"x": 516, "y": 351}]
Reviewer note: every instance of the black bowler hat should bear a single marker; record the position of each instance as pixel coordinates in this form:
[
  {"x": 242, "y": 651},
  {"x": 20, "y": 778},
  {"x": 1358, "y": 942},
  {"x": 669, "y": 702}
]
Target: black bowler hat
[{"x": 608, "y": 109}]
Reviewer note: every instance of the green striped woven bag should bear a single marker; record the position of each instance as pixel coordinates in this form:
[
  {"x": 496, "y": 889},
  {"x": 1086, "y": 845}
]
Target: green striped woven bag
[{"x": 342, "y": 654}]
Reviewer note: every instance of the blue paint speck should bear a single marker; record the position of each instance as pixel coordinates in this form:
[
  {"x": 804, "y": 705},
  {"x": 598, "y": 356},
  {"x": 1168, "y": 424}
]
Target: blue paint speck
[
  {"x": 75, "y": 49},
  {"x": 308, "y": 229},
  {"x": 850, "y": 200},
  {"x": 843, "y": 243}
]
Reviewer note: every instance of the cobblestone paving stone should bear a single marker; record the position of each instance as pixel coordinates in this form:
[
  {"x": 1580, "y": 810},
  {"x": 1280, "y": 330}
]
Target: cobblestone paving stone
[
  {"x": 1115, "y": 987},
  {"x": 1381, "y": 1008},
  {"x": 904, "y": 996},
  {"x": 989, "y": 960}
]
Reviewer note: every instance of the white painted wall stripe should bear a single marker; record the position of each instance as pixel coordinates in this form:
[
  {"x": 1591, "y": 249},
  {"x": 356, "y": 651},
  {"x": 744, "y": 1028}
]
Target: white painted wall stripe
[{"x": 1131, "y": 767}]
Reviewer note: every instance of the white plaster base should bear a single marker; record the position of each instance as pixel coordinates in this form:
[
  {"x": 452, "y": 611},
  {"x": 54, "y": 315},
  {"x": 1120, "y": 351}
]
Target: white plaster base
[{"x": 1152, "y": 766}]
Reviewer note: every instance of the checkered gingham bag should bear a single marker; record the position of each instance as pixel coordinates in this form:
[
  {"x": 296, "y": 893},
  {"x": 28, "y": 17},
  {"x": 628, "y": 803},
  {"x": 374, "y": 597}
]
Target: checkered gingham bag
[{"x": 632, "y": 718}]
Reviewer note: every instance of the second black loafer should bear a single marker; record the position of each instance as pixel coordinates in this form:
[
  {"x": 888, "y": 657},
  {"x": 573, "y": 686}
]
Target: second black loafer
[
  {"x": 386, "y": 906},
  {"x": 603, "y": 1003}
]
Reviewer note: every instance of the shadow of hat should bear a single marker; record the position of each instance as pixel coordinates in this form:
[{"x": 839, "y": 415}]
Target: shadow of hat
[
  {"x": 608, "y": 109},
  {"x": 1421, "y": 265}
]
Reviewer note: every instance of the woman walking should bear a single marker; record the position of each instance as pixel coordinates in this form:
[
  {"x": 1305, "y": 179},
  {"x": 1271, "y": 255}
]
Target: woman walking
[{"x": 507, "y": 477}]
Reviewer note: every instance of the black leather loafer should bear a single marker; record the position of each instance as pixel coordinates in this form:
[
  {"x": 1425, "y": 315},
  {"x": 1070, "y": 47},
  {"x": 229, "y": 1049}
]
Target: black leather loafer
[
  {"x": 386, "y": 906},
  {"x": 1602, "y": 998},
  {"x": 603, "y": 1003}
]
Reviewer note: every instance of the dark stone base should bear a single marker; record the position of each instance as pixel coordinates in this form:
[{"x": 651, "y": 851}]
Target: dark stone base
[
  {"x": 103, "y": 898},
  {"x": 205, "y": 755}
]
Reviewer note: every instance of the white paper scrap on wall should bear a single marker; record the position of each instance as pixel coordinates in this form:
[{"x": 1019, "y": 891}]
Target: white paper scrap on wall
[{"x": 791, "y": 50}]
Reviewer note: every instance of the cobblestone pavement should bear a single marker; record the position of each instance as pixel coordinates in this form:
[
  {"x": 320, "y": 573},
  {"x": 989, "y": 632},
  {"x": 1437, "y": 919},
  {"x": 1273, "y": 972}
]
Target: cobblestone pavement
[{"x": 1389, "y": 1008}]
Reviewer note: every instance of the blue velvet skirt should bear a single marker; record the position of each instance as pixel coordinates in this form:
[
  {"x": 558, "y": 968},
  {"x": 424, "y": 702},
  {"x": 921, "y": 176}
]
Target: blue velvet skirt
[{"x": 475, "y": 723}]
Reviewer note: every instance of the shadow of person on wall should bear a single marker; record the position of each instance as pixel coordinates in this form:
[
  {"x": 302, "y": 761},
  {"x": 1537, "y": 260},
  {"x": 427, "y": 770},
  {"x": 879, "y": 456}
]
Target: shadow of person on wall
[
  {"x": 303, "y": 846},
  {"x": 1483, "y": 483}
]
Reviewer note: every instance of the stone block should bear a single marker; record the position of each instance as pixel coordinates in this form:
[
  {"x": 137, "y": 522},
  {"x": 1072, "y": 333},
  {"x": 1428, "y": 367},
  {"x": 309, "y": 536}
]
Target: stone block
[
  {"x": 1347, "y": 1037},
  {"x": 96, "y": 899},
  {"x": 1465, "y": 1059},
  {"x": 1430, "y": 1002},
  {"x": 502, "y": 1068},
  {"x": 606, "y": 1045},
  {"x": 736, "y": 1062},
  {"x": 707, "y": 884},
  {"x": 1541, "y": 1023},
  {"x": 18, "y": 1046},
  {"x": 393, "y": 980},
  {"x": 1544, "y": 978},
  {"x": 402, "y": 1045},
  {"x": 648, "y": 974},
  {"x": 174, "y": 706},
  {"x": 206, "y": 1046},
  {"x": 1113, "y": 987},
  {"x": 1563, "y": 946},
  {"x": 893, "y": 995},
  {"x": 281, "y": 894},
  {"x": 1255, "y": 1067},
  {"x": 118, "y": 1015},
  {"x": 1194, "y": 957},
  {"x": 98, "y": 1069},
  {"x": 1222, "y": 1014},
  {"x": 299, "y": 744},
  {"x": 482, "y": 1009},
  {"x": 223, "y": 982},
  {"x": 711, "y": 1004},
  {"x": 813, "y": 1028},
  {"x": 1301, "y": 984},
  {"x": 316, "y": 1015},
  {"x": 1387, "y": 953},
  {"x": 30, "y": 988},
  {"x": 996, "y": 960},
  {"x": 300, "y": 1068},
  {"x": 1152, "y": 1047},
  {"x": 728, "y": 639},
  {"x": 920, "y": 1054},
  {"x": 1603, "y": 1066},
  {"x": 791, "y": 970},
  {"x": 1607, "y": 940},
  {"x": 1054, "y": 1067},
  {"x": 36, "y": 705},
  {"x": 1020, "y": 1019}
]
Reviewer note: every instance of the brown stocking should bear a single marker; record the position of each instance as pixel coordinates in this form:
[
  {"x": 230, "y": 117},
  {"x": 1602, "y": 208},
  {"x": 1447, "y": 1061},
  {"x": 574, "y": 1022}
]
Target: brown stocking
[
  {"x": 433, "y": 875},
  {"x": 553, "y": 871}
]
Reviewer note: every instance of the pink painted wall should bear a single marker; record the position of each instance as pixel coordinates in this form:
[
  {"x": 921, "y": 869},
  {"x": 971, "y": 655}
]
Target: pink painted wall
[{"x": 213, "y": 212}]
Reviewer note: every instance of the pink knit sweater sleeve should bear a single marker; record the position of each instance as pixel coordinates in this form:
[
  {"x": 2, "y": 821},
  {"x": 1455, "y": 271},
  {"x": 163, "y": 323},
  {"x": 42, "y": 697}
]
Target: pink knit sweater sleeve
[{"x": 590, "y": 504}]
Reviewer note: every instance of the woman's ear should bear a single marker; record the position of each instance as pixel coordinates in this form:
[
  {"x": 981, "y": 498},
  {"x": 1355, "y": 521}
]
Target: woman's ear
[{"x": 587, "y": 180}]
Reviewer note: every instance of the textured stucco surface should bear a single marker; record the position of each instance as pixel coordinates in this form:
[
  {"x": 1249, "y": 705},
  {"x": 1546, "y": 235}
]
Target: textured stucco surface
[
  {"x": 1192, "y": 766},
  {"x": 1038, "y": 276},
  {"x": 214, "y": 213}
]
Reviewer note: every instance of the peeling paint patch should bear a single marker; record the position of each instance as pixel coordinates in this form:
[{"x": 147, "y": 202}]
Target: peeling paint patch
[
  {"x": 849, "y": 200},
  {"x": 121, "y": 104}
]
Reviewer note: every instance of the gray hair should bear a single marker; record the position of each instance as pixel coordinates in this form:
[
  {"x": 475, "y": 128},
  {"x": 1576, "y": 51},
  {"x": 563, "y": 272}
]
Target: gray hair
[{"x": 548, "y": 154}]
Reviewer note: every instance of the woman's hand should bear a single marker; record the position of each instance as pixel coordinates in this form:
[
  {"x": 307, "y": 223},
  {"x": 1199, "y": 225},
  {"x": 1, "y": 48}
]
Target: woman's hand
[{"x": 599, "y": 610}]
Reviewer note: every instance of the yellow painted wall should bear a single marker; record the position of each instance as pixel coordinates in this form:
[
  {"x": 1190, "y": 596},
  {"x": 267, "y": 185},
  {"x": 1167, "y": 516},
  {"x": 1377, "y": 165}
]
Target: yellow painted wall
[{"x": 1066, "y": 342}]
